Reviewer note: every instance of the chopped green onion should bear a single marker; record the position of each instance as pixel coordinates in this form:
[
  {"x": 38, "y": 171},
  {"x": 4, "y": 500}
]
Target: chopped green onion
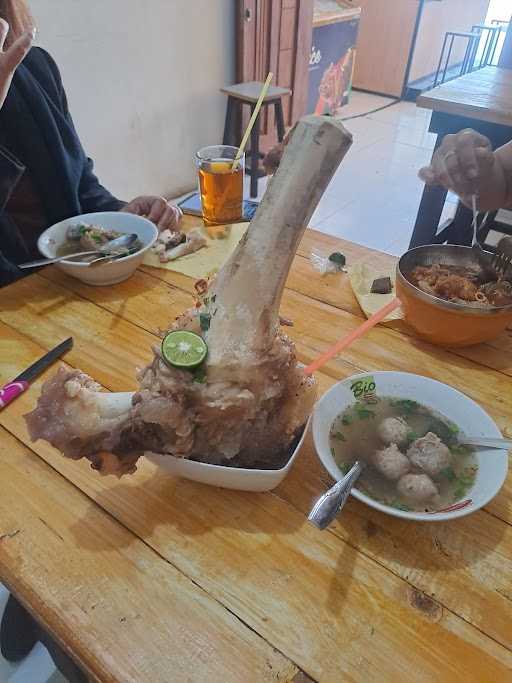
[
  {"x": 448, "y": 473},
  {"x": 204, "y": 321},
  {"x": 363, "y": 413}
]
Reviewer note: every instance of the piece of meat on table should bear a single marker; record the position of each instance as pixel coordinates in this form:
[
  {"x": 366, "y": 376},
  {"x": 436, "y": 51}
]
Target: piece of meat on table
[{"x": 194, "y": 241}]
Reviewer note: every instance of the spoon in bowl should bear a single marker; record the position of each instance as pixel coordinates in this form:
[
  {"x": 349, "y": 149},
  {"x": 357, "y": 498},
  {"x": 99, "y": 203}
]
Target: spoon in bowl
[
  {"x": 118, "y": 244},
  {"x": 332, "y": 502}
]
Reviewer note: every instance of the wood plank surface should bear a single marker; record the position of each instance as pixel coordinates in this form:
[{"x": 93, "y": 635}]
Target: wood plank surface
[
  {"x": 125, "y": 613},
  {"x": 142, "y": 294},
  {"x": 484, "y": 94},
  {"x": 154, "y": 501},
  {"x": 308, "y": 594},
  {"x": 110, "y": 348},
  {"x": 371, "y": 584}
]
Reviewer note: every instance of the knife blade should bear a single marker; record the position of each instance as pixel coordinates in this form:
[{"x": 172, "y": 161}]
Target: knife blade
[{"x": 21, "y": 383}]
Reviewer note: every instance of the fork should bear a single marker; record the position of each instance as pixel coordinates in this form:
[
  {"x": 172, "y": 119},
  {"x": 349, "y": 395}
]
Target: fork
[
  {"x": 110, "y": 258},
  {"x": 495, "y": 265},
  {"x": 501, "y": 260},
  {"x": 503, "y": 257}
]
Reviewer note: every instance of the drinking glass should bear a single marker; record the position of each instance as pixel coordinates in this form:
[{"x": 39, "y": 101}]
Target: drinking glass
[{"x": 220, "y": 185}]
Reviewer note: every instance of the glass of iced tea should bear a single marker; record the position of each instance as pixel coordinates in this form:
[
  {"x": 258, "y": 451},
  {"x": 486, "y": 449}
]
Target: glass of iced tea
[{"x": 220, "y": 186}]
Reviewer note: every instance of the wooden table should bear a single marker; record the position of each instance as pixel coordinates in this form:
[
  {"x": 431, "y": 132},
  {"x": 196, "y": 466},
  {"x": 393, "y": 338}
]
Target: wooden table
[
  {"x": 154, "y": 579},
  {"x": 481, "y": 100}
]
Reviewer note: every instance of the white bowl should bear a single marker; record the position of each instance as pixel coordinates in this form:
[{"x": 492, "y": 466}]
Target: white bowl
[
  {"x": 463, "y": 411},
  {"x": 226, "y": 477},
  {"x": 103, "y": 273}
]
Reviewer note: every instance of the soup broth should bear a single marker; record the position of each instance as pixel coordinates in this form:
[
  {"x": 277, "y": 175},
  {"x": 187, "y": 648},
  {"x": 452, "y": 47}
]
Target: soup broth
[
  {"x": 84, "y": 237},
  {"x": 409, "y": 451}
]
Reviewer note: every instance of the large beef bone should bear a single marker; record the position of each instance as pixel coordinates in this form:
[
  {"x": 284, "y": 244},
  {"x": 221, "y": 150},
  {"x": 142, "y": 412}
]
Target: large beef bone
[
  {"x": 248, "y": 290},
  {"x": 243, "y": 301}
]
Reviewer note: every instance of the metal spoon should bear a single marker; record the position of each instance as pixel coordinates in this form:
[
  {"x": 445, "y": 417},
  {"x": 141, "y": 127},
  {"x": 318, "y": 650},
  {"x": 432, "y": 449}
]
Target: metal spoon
[
  {"x": 332, "y": 502},
  {"x": 110, "y": 247},
  {"x": 484, "y": 442}
]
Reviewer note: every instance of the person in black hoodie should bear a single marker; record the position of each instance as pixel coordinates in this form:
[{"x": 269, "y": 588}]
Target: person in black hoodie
[{"x": 45, "y": 175}]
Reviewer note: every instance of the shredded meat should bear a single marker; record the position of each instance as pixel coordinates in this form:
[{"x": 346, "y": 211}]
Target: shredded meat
[{"x": 461, "y": 285}]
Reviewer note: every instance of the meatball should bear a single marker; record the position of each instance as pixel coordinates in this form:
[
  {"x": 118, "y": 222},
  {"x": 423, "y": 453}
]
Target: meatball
[
  {"x": 391, "y": 462},
  {"x": 418, "y": 488},
  {"x": 393, "y": 430},
  {"x": 429, "y": 454}
]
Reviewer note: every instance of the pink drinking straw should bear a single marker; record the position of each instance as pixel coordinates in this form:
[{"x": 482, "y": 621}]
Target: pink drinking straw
[{"x": 344, "y": 343}]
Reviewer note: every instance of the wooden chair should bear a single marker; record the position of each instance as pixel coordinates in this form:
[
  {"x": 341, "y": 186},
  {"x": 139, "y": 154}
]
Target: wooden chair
[{"x": 242, "y": 94}]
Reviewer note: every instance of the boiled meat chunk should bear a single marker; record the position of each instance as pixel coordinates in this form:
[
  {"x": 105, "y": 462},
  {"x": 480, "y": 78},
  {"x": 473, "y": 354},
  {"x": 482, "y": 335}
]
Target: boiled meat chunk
[
  {"x": 418, "y": 488},
  {"x": 429, "y": 454},
  {"x": 393, "y": 430},
  {"x": 391, "y": 462}
]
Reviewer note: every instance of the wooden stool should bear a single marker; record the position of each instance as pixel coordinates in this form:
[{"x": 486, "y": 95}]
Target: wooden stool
[{"x": 248, "y": 93}]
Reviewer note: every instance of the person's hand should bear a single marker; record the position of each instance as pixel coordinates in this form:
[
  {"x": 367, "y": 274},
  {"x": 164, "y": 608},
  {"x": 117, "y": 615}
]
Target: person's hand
[
  {"x": 463, "y": 163},
  {"x": 156, "y": 209},
  {"x": 11, "y": 58}
]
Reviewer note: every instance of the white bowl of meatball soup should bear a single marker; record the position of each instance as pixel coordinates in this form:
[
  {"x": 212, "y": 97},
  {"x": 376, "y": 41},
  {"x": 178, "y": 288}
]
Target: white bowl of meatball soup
[
  {"x": 409, "y": 431},
  {"x": 82, "y": 233}
]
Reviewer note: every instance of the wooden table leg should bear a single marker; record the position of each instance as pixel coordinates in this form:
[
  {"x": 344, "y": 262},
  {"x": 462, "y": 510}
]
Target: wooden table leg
[
  {"x": 229, "y": 132},
  {"x": 255, "y": 155},
  {"x": 279, "y": 120}
]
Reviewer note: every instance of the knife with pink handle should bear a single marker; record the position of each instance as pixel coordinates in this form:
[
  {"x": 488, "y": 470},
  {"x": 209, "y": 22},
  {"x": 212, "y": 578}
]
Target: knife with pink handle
[{"x": 21, "y": 383}]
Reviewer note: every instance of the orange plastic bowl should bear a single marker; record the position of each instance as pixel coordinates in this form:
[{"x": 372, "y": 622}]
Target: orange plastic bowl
[{"x": 442, "y": 322}]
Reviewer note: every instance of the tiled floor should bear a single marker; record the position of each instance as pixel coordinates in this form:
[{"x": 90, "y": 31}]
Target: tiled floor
[{"x": 374, "y": 196}]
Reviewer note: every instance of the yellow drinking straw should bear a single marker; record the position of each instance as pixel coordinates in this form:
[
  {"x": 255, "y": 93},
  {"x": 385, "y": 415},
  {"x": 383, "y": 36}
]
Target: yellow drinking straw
[{"x": 251, "y": 122}]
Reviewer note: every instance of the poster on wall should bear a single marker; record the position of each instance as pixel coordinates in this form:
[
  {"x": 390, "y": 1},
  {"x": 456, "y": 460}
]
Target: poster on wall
[{"x": 331, "y": 66}]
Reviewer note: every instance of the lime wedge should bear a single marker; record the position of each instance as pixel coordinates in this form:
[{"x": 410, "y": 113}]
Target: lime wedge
[{"x": 184, "y": 349}]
